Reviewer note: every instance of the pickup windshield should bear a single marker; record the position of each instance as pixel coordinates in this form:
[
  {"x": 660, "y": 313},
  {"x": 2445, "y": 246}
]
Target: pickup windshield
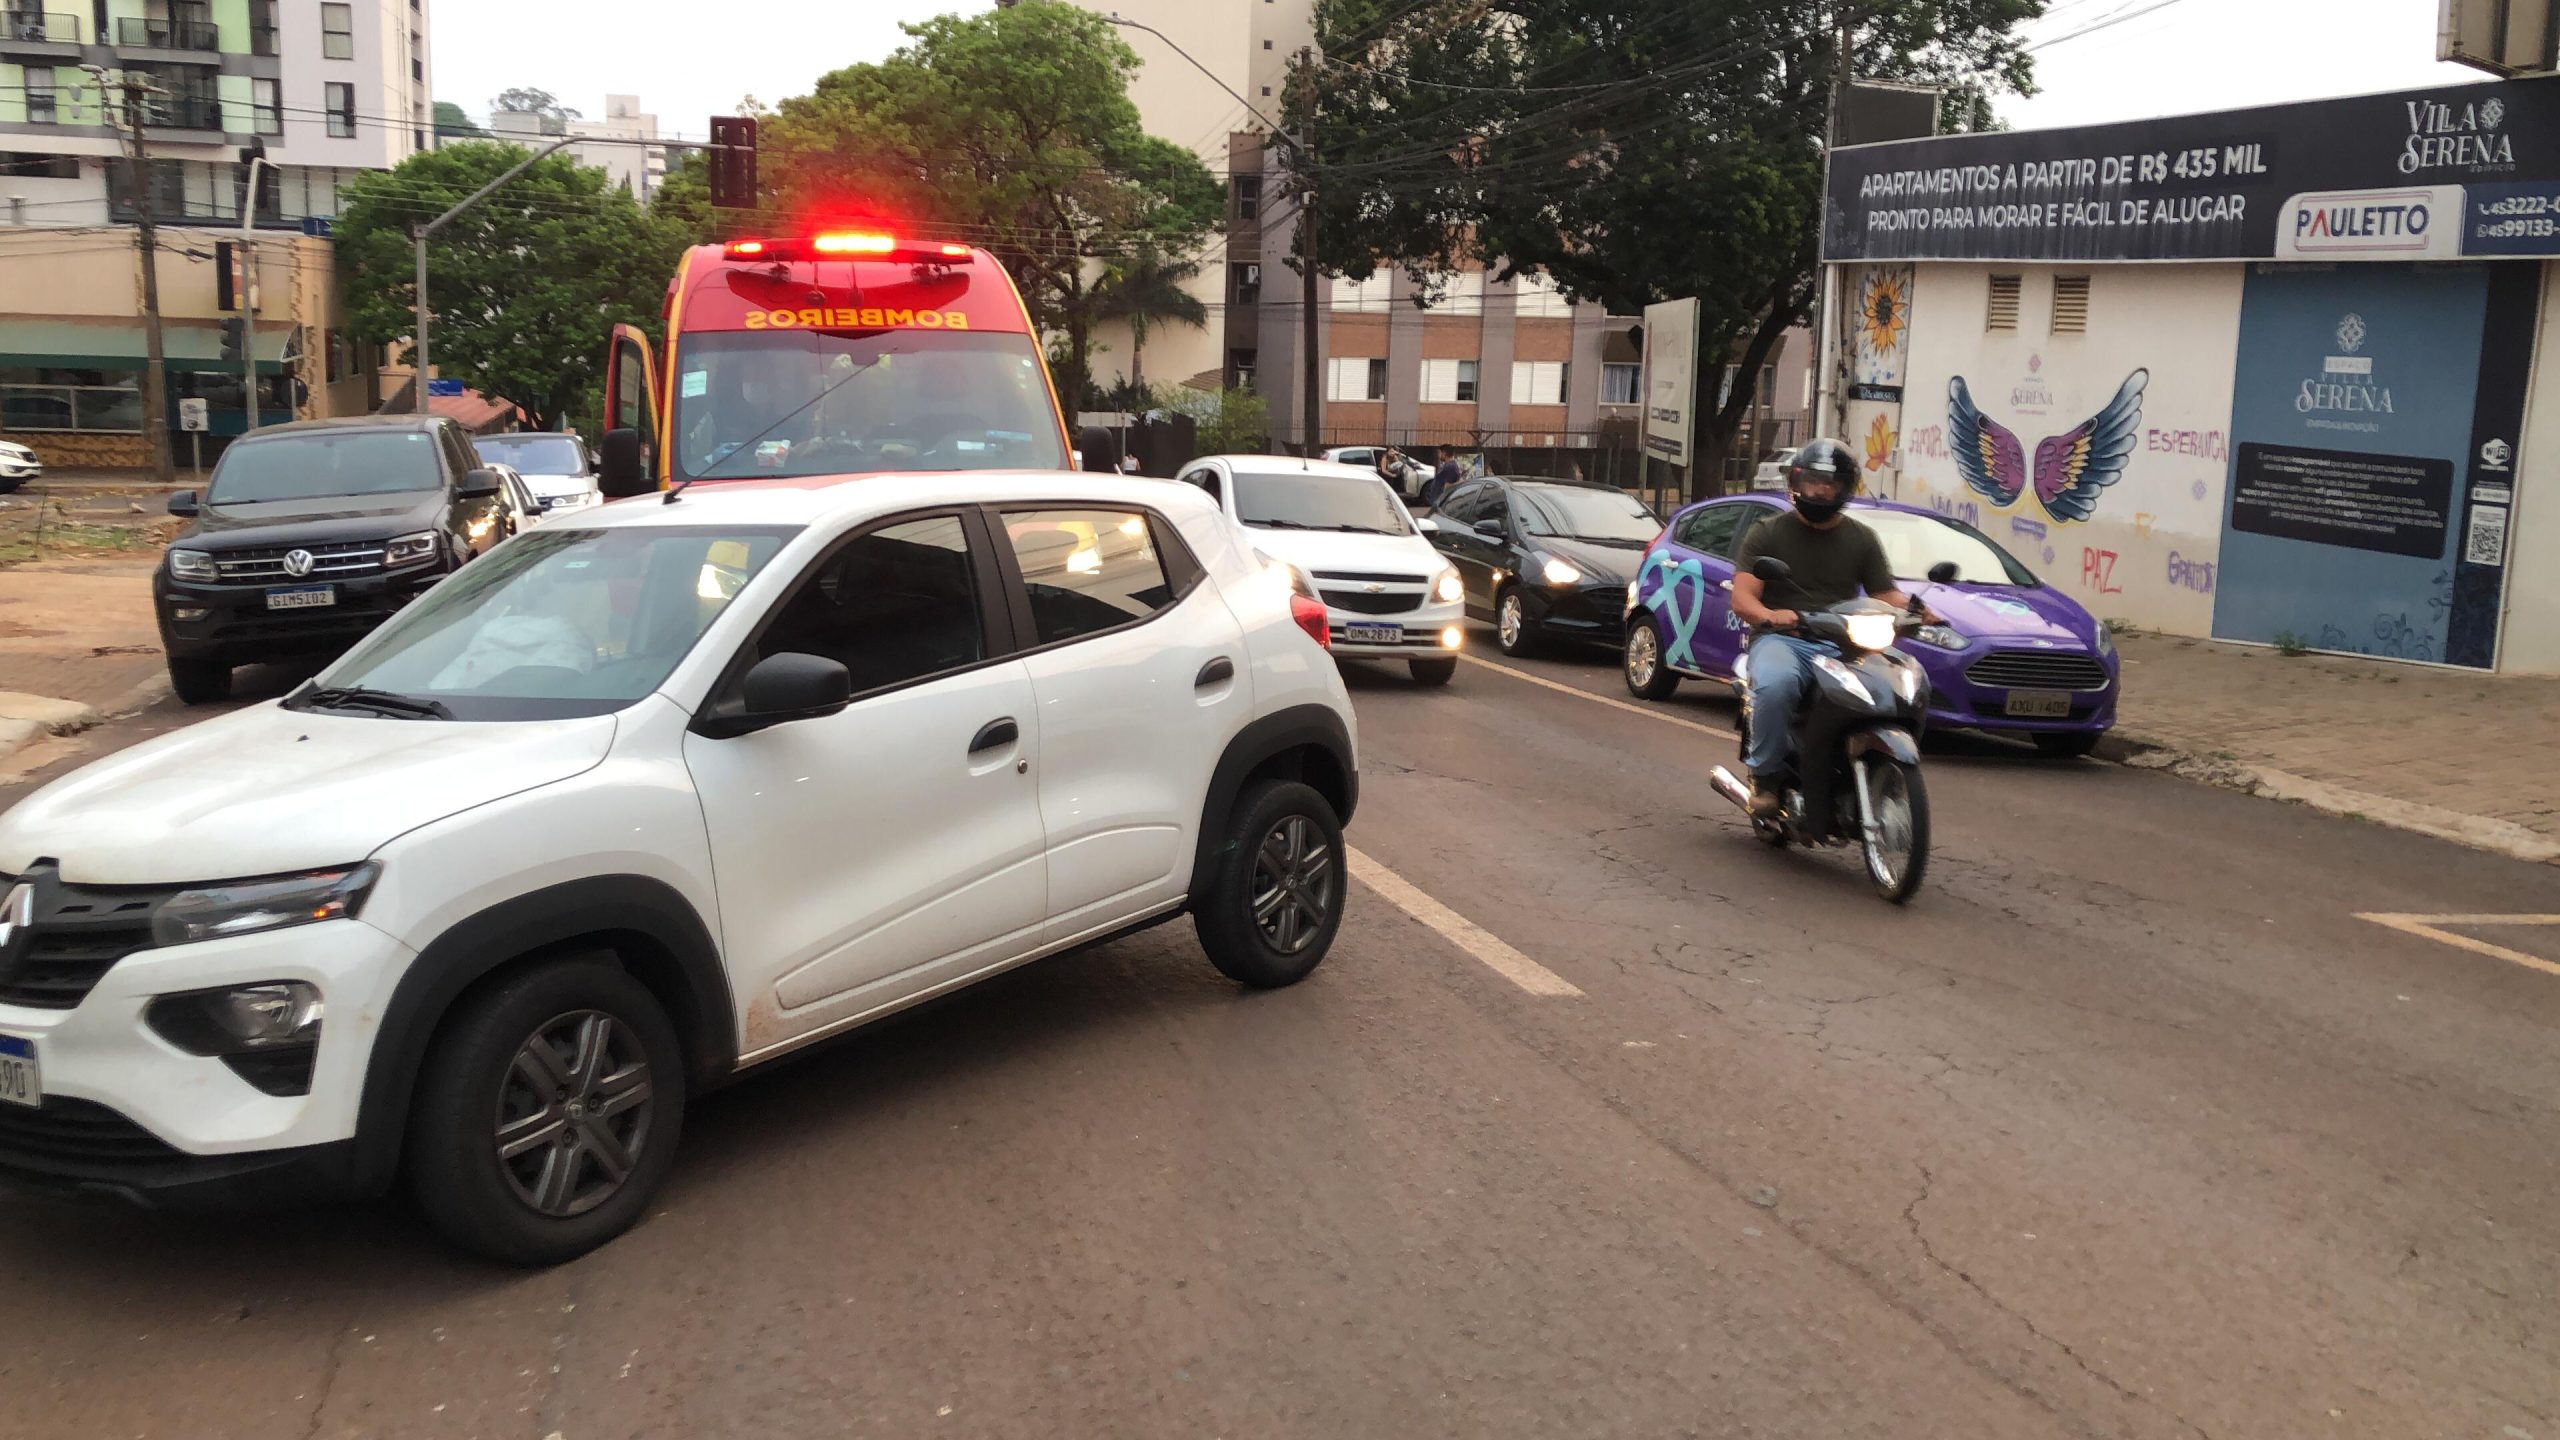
[
  {"x": 765, "y": 404},
  {"x": 317, "y": 465}
]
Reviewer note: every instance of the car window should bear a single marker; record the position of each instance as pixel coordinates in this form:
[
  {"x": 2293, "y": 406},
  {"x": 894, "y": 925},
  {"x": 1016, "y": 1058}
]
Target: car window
[
  {"x": 1206, "y": 477},
  {"x": 1752, "y": 515},
  {"x": 1307, "y": 500},
  {"x": 1711, "y": 529},
  {"x": 895, "y": 605},
  {"x": 458, "y": 451},
  {"x": 534, "y": 454},
  {"x": 1460, "y": 504},
  {"x": 1913, "y": 543},
  {"x": 1087, "y": 571},
  {"x": 311, "y": 465},
  {"x": 776, "y": 403}
]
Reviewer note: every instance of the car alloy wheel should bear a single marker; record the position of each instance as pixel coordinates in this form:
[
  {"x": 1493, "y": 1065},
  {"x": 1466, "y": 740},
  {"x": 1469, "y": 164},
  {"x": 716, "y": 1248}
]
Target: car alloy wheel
[
  {"x": 574, "y": 1116},
  {"x": 1509, "y": 621},
  {"x": 1294, "y": 884},
  {"x": 1644, "y": 656}
]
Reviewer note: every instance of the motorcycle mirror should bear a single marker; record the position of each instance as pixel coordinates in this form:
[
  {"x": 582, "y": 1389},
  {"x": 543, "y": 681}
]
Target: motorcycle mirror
[
  {"x": 1943, "y": 573},
  {"x": 1771, "y": 569}
]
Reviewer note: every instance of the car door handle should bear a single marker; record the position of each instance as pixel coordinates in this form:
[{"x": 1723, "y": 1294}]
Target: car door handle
[
  {"x": 1724, "y": 584},
  {"x": 994, "y": 734},
  {"x": 1216, "y": 672}
]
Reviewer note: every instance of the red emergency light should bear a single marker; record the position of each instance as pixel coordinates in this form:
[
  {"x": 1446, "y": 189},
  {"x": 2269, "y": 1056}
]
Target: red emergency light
[{"x": 850, "y": 244}]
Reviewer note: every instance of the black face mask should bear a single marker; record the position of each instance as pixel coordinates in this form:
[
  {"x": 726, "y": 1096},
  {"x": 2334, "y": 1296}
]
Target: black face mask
[{"x": 1818, "y": 510}]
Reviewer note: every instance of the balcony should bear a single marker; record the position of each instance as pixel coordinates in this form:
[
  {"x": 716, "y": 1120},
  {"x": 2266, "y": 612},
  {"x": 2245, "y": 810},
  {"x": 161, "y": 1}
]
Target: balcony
[
  {"x": 40, "y": 27},
  {"x": 147, "y": 33},
  {"x": 262, "y": 40},
  {"x": 186, "y": 112}
]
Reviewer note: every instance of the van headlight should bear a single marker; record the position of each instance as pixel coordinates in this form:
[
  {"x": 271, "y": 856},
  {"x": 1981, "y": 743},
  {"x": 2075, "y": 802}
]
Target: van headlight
[
  {"x": 1871, "y": 632},
  {"x": 246, "y": 907}
]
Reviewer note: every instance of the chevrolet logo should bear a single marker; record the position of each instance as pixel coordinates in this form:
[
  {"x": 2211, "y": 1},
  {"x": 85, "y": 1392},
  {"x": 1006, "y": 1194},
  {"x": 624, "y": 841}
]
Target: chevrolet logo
[{"x": 1374, "y": 589}]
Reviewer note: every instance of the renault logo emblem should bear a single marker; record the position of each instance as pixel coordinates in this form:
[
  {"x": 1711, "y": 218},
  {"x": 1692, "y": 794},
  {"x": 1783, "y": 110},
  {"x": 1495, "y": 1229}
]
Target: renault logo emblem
[
  {"x": 297, "y": 563},
  {"x": 17, "y": 919}
]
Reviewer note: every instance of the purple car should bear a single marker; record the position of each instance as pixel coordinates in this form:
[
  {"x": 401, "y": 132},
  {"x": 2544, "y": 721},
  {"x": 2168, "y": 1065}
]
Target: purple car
[{"x": 2013, "y": 655}]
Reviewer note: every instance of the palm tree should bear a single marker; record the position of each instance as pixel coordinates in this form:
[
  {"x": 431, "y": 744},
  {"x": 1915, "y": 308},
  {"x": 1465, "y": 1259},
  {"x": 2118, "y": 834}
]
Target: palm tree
[{"x": 1147, "y": 290}]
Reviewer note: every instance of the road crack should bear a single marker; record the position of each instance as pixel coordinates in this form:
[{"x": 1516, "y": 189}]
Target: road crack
[{"x": 328, "y": 1382}]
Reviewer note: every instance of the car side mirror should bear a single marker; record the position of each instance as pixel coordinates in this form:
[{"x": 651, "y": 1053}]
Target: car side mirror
[
  {"x": 1095, "y": 449},
  {"x": 1427, "y": 525},
  {"x": 481, "y": 484},
  {"x": 1943, "y": 573},
  {"x": 1490, "y": 528},
  {"x": 622, "y": 465},
  {"x": 1771, "y": 569},
  {"x": 183, "y": 503},
  {"x": 784, "y": 688}
]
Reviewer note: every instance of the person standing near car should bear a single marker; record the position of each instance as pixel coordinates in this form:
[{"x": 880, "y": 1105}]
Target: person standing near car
[
  {"x": 1444, "y": 477},
  {"x": 1830, "y": 559}
]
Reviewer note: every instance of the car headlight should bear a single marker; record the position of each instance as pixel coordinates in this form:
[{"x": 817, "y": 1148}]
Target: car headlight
[
  {"x": 409, "y": 550},
  {"x": 193, "y": 565},
  {"x": 1940, "y": 637},
  {"x": 246, "y": 907},
  {"x": 2106, "y": 639},
  {"x": 1871, "y": 632},
  {"x": 1446, "y": 587},
  {"x": 1556, "y": 572}
]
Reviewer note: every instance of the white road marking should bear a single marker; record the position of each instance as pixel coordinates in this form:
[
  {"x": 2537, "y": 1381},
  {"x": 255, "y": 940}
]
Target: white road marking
[
  {"x": 2431, "y": 927},
  {"x": 1460, "y": 931},
  {"x": 1576, "y": 691}
]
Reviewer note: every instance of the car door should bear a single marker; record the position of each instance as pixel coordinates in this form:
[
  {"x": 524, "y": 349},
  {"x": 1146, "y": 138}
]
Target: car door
[
  {"x": 1497, "y": 556},
  {"x": 1470, "y": 552},
  {"x": 1139, "y": 673},
  {"x": 1694, "y": 605},
  {"x": 866, "y": 855}
]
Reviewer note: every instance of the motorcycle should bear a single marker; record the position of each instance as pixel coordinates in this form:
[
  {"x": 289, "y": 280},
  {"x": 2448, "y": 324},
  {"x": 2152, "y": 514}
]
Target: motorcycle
[{"x": 1854, "y": 768}]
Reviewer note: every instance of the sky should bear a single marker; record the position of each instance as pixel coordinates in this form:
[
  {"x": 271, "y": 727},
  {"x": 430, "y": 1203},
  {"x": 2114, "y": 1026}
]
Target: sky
[{"x": 2158, "y": 57}]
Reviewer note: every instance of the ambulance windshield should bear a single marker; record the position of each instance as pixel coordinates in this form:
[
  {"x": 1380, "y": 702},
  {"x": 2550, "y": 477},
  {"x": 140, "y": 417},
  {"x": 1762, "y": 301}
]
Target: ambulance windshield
[{"x": 776, "y": 403}]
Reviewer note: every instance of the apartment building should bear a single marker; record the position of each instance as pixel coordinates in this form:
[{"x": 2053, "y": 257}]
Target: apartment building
[{"x": 618, "y": 144}]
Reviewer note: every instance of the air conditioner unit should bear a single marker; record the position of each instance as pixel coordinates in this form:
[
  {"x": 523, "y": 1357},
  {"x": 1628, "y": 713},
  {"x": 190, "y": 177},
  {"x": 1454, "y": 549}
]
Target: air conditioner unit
[{"x": 2503, "y": 37}]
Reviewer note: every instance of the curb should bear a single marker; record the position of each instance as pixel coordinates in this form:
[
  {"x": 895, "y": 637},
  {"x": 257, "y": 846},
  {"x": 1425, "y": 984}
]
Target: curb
[{"x": 2480, "y": 832}]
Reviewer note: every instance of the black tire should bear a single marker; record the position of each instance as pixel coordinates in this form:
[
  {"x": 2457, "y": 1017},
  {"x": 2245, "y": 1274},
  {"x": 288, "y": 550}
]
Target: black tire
[
  {"x": 197, "y": 680},
  {"x": 1438, "y": 671},
  {"x": 2062, "y": 745},
  {"x": 1519, "y": 636},
  {"x": 471, "y": 1078},
  {"x": 1267, "y": 954},
  {"x": 1903, "y": 881},
  {"x": 1643, "y": 658}
]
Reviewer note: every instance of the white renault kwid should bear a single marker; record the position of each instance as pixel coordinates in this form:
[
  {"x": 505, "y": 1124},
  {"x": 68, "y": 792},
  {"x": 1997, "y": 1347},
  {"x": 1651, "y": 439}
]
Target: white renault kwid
[
  {"x": 1347, "y": 534},
  {"x": 642, "y": 798}
]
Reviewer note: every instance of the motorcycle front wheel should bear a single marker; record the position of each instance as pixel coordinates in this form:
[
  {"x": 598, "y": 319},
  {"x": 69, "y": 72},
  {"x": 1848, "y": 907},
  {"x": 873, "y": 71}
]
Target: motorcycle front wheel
[{"x": 1897, "y": 848}]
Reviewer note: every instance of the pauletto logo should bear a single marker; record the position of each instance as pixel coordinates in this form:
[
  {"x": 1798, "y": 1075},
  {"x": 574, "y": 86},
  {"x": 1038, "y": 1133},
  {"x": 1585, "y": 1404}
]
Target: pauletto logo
[{"x": 2442, "y": 134}]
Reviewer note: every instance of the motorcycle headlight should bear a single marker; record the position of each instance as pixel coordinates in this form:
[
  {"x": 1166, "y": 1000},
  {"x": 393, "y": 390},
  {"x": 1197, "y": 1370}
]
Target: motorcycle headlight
[
  {"x": 1556, "y": 572},
  {"x": 1447, "y": 588},
  {"x": 1871, "y": 632},
  {"x": 409, "y": 550},
  {"x": 193, "y": 565},
  {"x": 245, "y": 907},
  {"x": 1940, "y": 637},
  {"x": 2106, "y": 639}
]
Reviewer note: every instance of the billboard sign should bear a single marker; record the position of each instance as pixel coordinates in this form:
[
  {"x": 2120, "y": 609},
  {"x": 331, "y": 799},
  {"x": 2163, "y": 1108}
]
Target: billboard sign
[{"x": 1670, "y": 379}]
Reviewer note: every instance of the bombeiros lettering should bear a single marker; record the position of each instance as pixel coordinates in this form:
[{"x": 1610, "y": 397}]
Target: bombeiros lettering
[{"x": 869, "y": 317}]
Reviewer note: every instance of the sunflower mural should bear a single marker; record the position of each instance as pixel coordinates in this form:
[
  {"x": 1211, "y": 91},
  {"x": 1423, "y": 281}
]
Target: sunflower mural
[{"x": 1880, "y": 329}]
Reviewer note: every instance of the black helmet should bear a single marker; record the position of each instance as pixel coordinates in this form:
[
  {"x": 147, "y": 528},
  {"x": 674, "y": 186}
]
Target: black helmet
[{"x": 1828, "y": 462}]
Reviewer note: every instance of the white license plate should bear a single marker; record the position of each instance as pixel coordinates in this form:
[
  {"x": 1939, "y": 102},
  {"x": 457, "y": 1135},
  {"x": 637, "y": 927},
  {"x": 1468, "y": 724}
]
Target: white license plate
[
  {"x": 19, "y": 1082},
  {"x": 1374, "y": 634},
  {"x": 302, "y": 597},
  {"x": 2040, "y": 704}
]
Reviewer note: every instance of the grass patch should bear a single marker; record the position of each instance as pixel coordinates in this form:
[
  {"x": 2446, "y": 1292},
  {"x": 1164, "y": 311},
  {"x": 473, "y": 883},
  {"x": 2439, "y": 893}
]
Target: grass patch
[
  {"x": 21, "y": 543},
  {"x": 2288, "y": 643}
]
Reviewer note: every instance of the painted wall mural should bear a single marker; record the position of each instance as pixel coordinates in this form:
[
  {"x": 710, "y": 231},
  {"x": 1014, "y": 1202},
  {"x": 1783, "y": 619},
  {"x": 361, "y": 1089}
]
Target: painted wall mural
[
  {"x": 1879, "y": 342},
  {"x": 2071, "y": 468}
]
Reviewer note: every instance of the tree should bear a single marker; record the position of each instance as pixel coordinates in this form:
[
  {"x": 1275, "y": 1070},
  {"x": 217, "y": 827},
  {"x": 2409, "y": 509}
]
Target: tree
[
  {"x": 1147, "y": 290},
  {"x": 527, "y": 101},
  {"x": 524, "y": 287},
  {"x": 1013, "y": 130},
  {"x": 1632, "y": 150},
  {"x": 454, "y": 123},
  {"x": 1232, "y": 422},
  {"x": 682, "y": 200}
]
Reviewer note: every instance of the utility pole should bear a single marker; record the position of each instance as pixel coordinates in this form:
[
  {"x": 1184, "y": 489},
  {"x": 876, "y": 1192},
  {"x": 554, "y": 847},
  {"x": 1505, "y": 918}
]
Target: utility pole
[
  {"x": 155, "y": 391},
  {"x": 427, "y": 231},
  {"x": 249, "y": 301},
  {"x": 1310, "y": 334},
  {"x": 1828, "y": 358}
]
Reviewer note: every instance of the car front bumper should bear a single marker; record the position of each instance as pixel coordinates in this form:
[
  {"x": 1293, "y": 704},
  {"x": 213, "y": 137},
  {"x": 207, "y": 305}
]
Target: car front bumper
[
  {"x": 1957, "y": 700},
  {"x": 1591, "y": 610},
  {"x": 233, "y": 622},
  {"x": 1424, "y": 632}
]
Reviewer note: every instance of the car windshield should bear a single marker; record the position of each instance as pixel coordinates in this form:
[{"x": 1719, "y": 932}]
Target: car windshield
[
  {"x": 534, "y": 454},
  {"x": 321, "y": 464},
  {"x": 1300, "y": 500},
  {"x": 1607, "y": 517},
  {"x": 762, "y": 404},
  {"x": 559, "y": 622},
  {"x": 1914, "y": 543}
]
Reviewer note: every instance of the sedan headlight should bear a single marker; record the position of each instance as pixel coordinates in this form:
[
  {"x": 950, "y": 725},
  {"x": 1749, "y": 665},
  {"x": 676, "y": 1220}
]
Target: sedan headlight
[
  {"x": 246, "y": 907},
  {"x": 1871, "y": 632},
  {"x": 2106, "y": 639},
  {"x": 1941, "y": 637},
  {"x": 1556, "y": 572},
  {"x": 409, "y": 550},
  {"x": 193, "y": 565},
  {"x": 1446, "y": 587}
]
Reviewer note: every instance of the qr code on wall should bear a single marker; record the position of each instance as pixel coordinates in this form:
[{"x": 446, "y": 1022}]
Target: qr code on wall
[{"x": 2487, "y": 542}]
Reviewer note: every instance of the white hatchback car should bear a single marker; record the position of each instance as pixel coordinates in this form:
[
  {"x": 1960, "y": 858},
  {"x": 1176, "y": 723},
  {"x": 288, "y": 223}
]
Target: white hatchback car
[
  {"x": 648, "y": 795},
  {"x": 1351, "y": 543}
]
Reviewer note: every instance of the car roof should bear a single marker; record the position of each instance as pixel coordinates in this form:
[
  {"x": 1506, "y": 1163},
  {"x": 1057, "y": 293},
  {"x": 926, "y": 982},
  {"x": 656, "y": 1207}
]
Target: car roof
[
  {"x": 1552, "y": 483},
  {"x": 350, "y": 422},
  {"x": 528, "y": 435},
  {"x": 1293, "y": 465},
  {"x": 818, "y": 500}
]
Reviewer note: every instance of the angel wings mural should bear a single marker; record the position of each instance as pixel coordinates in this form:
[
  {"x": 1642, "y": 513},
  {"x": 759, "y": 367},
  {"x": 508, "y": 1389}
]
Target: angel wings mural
[{"x": 2070, "y": 469}]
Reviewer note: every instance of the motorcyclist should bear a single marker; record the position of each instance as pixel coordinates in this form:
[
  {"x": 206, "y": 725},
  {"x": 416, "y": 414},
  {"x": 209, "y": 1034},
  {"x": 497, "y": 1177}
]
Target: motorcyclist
[{"x": 1831, "y": 559}]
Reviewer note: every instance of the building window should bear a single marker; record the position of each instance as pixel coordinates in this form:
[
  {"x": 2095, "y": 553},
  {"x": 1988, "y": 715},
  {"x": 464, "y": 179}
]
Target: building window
[
  {"x": 1244, "y": 283},
  {"x": 262, "y": 27},
  {"x": 2004, "y": 303},
  {"x": 1355, "y": 377},
  {"x": 1621, "y": 384},
  {"x": 1540, "y": 299},
  {"x": 1241, "y": 364},
  {"x": 1248, "y": 190},
  {"x": 46, "y": 399},
  {"x": 342, "y": 109},
  {"x": 2071, "y": 305},
  {"x": 21, "y": 165},
  {"x": 268, "y": 107},
  {"x": 1365, "y": 295},
  {"x": 40, "y": 99},
  {"x": 338, "y": 31},
  {"x": 1266, "y": 92},
  {"x": 1449, "y": 382},
  {"x": 1537, "y": 382},
  {"x": 1459, "y": 294},
  {"x": 1266, "y": 44}
]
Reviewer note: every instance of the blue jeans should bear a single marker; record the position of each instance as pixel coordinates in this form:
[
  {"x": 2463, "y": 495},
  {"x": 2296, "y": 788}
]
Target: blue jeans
[{"x": 1781, "y": 670}]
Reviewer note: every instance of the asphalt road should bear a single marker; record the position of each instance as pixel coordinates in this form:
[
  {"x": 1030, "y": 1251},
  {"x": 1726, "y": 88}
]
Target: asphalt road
[{"x": 2126, "y": 1127}]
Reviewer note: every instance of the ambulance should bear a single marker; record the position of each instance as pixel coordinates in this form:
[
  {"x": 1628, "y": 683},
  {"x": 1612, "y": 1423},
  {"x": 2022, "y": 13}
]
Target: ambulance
[{"x": 840, "y": 352}]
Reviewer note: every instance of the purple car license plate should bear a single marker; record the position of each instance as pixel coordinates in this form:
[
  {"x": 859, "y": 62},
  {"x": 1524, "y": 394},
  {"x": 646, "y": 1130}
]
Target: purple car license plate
[{"x": 2040, "y": 704}]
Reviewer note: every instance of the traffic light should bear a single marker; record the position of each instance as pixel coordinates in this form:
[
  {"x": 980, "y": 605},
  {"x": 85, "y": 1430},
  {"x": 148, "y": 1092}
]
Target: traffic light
[
  {"x": 733, "y": 162},
  {"x": 235, "y": 338},
  {"x": 226, "y": 275}
]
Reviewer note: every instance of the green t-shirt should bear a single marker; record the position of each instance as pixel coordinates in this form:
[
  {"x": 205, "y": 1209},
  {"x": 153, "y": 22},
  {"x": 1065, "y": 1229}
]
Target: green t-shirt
[{"x": 1830, "y": 566}]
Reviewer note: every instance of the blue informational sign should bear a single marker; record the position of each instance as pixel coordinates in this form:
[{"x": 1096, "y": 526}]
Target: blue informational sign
[
  {"x": 2353, "y": 430},
  {"x": 320, "y": 225},
  {"x": 444, "y": 387}
]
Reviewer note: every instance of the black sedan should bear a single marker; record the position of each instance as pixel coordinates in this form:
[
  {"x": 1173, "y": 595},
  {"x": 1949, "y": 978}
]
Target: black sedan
[{"x": 1544, "y": 558}]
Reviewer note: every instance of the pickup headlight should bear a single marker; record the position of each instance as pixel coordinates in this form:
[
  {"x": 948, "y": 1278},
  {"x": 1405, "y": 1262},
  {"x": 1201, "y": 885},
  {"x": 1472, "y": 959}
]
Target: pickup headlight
[
  {"x": 1941, "y": 637},
  {"x": 245, "y": 907},
  {"x": 1446, "y": 587},
  {"x": 1556, "y": 572},
  {"x": 409, "y": 550},
  {"x": 193, "y": 565}
]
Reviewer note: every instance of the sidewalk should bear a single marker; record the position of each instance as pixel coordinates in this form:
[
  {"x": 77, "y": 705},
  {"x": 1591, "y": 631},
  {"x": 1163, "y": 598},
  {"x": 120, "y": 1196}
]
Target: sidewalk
[
  {"x": 77, "y": 643},
  {"x": 2469, "y": 757}
]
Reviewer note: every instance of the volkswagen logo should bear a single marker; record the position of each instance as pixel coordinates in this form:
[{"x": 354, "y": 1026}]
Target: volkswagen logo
[{"x": 297, "y": 563}]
